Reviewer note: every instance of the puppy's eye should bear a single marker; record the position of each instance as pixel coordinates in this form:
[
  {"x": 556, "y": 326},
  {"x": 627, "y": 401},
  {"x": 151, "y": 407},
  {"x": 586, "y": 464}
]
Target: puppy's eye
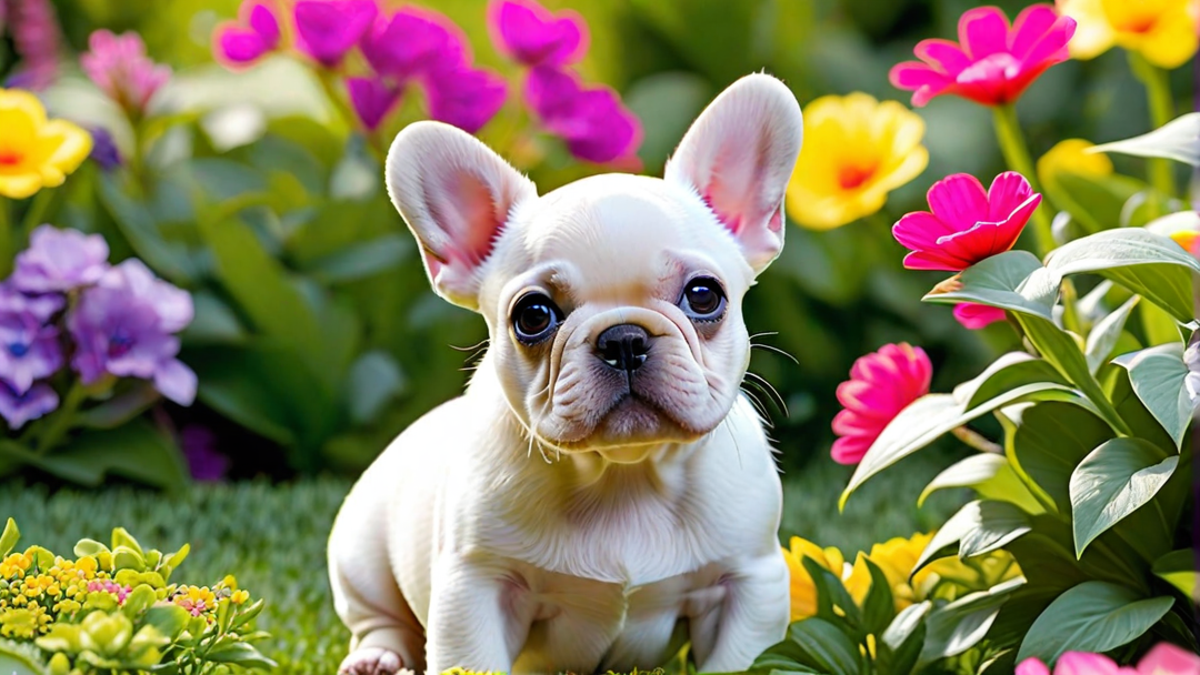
[
  {"x": 534, "y": 318},
  {"x": 703, "y": 299}
]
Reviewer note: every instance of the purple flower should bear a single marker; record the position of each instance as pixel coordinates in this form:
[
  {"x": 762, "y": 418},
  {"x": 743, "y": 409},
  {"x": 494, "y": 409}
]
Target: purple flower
[
  {"x": 592, "y": 121},
  {"x": 118, "y": 65},
  {"x": 18, "y": 409},
  {"x": 37, "y": 38},
  {"x": 123, "y": 325},
  {"x": 464, "y": 96},
  {"x": 327, "y": 29},
  {"x": 29, "y": 347},
  {"x": 372, "y": 99},
  {"x": 199, "y": 446},
  {"x": 412, "y": 42},
  {"x": 104, "y": 149},
  {"x": 238, "y": 43},
  {"x": 60, "y": 260},
  {"x": 533, "y": 35}
]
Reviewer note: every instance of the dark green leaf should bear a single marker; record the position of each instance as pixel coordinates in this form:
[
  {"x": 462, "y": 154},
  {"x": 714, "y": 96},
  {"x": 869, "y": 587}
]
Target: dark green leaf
[
  {"x": 823, "y": 647},
  {"x": 1050, "y": 441},
  {"x": 375, "y": 379},
  {"x": 361, "y": 260},
  {"x": 1157, "y": 375},
  {"x": 879, "y": 608},
  {"x": 1093, "y": 201},
  {"x": 834, "y": 603},
  {"x": 121, "y": 408},
  {"x": 1177, "y": 568},
  {"x": 242, "y": 654},
  {"x": 214, "y": 321},
  {"x": 979, "y": 527},
  {"x": 135, "y": 450},
  {"x": 1113, "y": 481},
  {"x": 960, "y": 625},
  {"x": 168, "y": 259},
  {"x": 1013, "y": 280},
  {"x": 1094, "y": 616}
]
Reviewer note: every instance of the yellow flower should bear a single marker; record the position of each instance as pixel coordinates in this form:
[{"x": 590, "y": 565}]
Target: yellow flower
[
  {"x": 240, "y": 597},
  {"x": 856, "y": 150},
  {"x": 1162, "y": 31},
  {"x": 1072, "y": 156},
  {"x": 25, "y": 622},
  {"x": 35, "y": 152},
  {"x": 803, "y": 590},
  {"x": 15, "y": 565}
]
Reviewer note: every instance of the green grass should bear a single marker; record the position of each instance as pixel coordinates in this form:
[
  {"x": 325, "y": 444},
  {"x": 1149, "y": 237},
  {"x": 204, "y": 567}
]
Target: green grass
[{"x": 273, "y": 537}]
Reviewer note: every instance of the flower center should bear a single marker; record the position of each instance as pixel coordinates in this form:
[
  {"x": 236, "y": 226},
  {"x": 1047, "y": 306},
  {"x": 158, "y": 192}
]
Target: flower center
[
  {"x": 119, "y": 345},
  {"x": 10, "y": 157},
  {"x": 851, "y": 176},
  {"x": 18, "y": 349}
]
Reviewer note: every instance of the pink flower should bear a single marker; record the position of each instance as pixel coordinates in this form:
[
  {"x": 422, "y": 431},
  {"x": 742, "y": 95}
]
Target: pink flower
[
  {"x": 238, "y": 43},
  {"x": 592, "y": 121},
  {"x": 327, "y": 29},
  {"x": 372, "y": 99},
  {"x": 1167, "y": 659},
  {"x": 33, "y": 25},
  {"x": 992, "y": 63},
  {"x": 1163, "y": 659},
  {"x": 533, "y": 35},
  {"x": 881, "y": 384},
  {"x": 118, "y": 64},
  {"x": 464, "y": 96},
  {"x": 108, "y": 586},
  {"x": 967, "y": 223},
  {"x": 413, "y": 41},
  {"x": 974, "y": 316}
]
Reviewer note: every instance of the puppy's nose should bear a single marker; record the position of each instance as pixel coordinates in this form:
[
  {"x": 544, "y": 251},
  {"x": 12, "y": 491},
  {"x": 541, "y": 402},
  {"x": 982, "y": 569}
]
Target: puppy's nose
[{"x": 623, "y": 346}]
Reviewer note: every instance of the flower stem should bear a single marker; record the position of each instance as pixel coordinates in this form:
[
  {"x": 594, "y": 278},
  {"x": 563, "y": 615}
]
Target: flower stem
[
  {"x": 63, "y": 419},
  {"x": 1016, "y": 155},
  {"x": 977, "y": 441},
  {"x": 6, "y": 238},
  {"x": 35, "y": 212},
  {"x": 1162, "y": 111}
]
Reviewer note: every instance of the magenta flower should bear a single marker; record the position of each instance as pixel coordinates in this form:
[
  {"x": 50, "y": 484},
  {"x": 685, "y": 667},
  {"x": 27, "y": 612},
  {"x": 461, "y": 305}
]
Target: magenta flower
[
  {"x": 533, "y": 35},
  {"x": 38, "y": 40},
  {"x": 974, "y": 316},
  {"x": 1163, "y": 659},
  {"x": 372, "y": 99},
  {"x": 412, "y": 42},
  {"x": 238, "y": 43},
  {"x": 29, "y": 347},
  {"x": 881, "y": 384},
  {"x": 17, "y": 409},
  {"x": 992, "y": 64},
  {"x": 109, "y": 586},
  {"x": 124, "y": 326},
  {"x": 327, "y": 29},
  {"x": 199, "y": 445},
  {"x": 60, "y": 260},
  {"x": 118, "y": 65},
  {"x": 464, "y": 96},
  {"x": 592, "y": 121},
  {"x": 967, "y": 223}
]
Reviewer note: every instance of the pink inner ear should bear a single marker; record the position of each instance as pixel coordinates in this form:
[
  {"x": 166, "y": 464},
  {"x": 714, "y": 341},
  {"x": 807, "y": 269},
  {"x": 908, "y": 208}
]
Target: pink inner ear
[
  {"x": 469, "y": 217},
  {"x": 734, "y": 184}
]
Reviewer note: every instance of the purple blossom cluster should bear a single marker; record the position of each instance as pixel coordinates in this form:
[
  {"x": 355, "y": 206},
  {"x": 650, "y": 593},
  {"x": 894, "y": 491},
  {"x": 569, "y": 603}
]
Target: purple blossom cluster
[
  {"x": 65, "y": 303},
  {"x": 590, "y": 119},
  {"x": 409, "y": 46},
  {"x": 33, "y": 26}
]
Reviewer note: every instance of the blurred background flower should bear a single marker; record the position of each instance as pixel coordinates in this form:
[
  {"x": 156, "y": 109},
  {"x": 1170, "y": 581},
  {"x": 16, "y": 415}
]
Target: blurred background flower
[
  {"x": 35, "y": 152},
  {"x": 1164, "y": 32}
]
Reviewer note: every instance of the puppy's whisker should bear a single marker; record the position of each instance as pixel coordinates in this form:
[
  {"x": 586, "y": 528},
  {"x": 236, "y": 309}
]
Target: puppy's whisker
[
  {"x": 770, "y": 390},
  {"x": 773, "y": 348},
  {"x": 759, "y": 408}
]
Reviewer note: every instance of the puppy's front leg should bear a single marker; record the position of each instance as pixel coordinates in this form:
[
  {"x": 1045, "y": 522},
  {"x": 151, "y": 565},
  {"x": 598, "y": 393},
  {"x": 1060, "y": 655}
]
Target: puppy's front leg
[
  {"x": 752, "y": 617},
  {"x": 473, "y": 622}
]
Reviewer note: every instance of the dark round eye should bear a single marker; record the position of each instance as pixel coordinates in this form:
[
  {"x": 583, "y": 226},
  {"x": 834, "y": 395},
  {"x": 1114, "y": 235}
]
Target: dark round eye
[
  {"x": 703, "y": 299},
  {"x": 534, "y": 317}
]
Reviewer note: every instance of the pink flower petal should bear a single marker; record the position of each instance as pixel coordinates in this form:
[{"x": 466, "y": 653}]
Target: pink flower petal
[
  {"x": 1008, "y": 192},
  {"x": 983, "y": 31},
  {"x": 934, "y": 261},
  {"x": 881, "y": 384},
  {"x": 1032, "y": 666},
  {"x": 1029, "y": 27},
  {"x": 533, "y": 35},
  {"x": 959, "y": 200},
  {"x": 974, "y": 316},
  {"x": 946, "y": 55},
  {"x": 1083, "y": 663},
  {"x": 919, "y": 230},
  {"x": 1167, "y": 659},
  {"x": 850, "y": 449},
  {"x": 235, "y": 45},
  {"x": 263, "y": 22}
]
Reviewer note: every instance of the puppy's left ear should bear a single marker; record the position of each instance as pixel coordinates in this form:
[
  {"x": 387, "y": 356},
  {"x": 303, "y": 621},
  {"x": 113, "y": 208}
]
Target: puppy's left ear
[{"x": 739, "y": 155}]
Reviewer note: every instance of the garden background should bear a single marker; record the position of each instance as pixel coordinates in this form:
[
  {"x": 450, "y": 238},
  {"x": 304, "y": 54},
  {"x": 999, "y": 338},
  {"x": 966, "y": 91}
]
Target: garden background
[{"x": 316, "y": 338}]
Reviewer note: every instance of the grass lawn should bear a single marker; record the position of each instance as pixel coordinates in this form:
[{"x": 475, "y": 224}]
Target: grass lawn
[{"x": 273, "y": 537}]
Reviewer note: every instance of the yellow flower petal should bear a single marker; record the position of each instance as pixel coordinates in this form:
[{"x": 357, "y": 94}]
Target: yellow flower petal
[
  {"x": 1072, "y": 156},
  {"x": 34, "y": 152},
  {"x": 20, "y": 187},
  {"x": 1094, "y": 35},
  {"x": 1169, "y": 43}
]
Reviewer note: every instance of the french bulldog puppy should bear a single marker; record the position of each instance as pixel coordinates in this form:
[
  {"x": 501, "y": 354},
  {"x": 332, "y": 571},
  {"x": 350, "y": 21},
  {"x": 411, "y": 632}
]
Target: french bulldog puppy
[{"x": 602, "y": 492}]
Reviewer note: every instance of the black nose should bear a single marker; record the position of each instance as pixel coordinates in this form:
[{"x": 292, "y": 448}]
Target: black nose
[{"x": 623, "y": 346}]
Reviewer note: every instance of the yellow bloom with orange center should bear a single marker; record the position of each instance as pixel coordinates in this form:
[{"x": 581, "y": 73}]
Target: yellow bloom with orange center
[
  {"x": 856, "y": 150},
  {"x": 35, "y": 152},
  {"x": 803, "y": 589},
  {"x": 1073, "y": 156},
  {"x": 1162, "y": 31}
]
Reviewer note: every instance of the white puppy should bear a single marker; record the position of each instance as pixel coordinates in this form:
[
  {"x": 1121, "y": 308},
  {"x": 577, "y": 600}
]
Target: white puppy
[{"x": 602, "y": 492}]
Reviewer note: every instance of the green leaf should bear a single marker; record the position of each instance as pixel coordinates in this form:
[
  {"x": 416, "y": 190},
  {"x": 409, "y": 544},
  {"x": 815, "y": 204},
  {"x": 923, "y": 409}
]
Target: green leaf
[
  {"x": 1178, "y": 568},
  {"x": 136, "y": 451},
  {"x": 879, "y": 608},
  {"x": 903, "y": 639},
  {"x": 1007, "y": 372},
  {"x": 242, "y": 654},
  {"x": 361, "y": 260},
  {"x": 1157, "y": 375},
  {"x": 1104, "y": 335},
  {"x": 990, "y": 475},
  {"x": 1050, "y": 441},
  {"x": 9, "y": 539},
  {"x": 1013, "y": 280},
  {"x": 979, "y": 527},
  {"x": 960, "y": 625},
  {"x": 121, "y": 537},
  {"x": 834, "y": 602},
  {"x": 1178, "y": 139},
  {"x": 1094, "y": 616},
  {"x": 1146, "y": 263},
  {"x": 1116, "y": 479},
  {"x": 171, "y": 260},
  {"x": 121, "y": 408},
  {"x": 375, "y": 380},
  {"x": 1095, "y": 202},
  {"x": 20, "y": 659},
  {"x": 818, "y": 644},
  {"x": 214, "y": 321}
]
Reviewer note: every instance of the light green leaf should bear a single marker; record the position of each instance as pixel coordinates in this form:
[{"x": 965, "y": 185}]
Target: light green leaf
[
  {"x": 9, "y": 539},
  {"x": 20, "y": 659},
  {"x": 979, "y": 527},
  {"x": 1178, "y": 568},
  {"x": 1157, "y": 375},
  {"x": 1007, "y": 372},
  {"x": 1094, "y": 616},
  {"x": 903, "y": 639},
  {"x": 1116, "y": 479},
  {"x": 1013, "y": 280},
  {"x": 361, "y": 260},
  {"x": 242, "y": 654},
  {"x": 1146, "y": 263},
  {"x": 960, "y": 625},
  {"x": 1178, "y": 139},
  {"x": 990, "y": 475},
  {"x": 1104, "y": 335},
  {"x": 821, "y": 645}
]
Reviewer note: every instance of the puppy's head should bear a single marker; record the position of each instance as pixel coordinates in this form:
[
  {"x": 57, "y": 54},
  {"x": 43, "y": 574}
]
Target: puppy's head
[{"x": 613, "y": 303}]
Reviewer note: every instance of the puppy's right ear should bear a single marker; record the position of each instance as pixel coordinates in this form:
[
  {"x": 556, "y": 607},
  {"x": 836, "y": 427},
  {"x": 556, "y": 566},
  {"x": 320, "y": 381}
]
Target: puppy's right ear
[{"x": 456, "y": 196}]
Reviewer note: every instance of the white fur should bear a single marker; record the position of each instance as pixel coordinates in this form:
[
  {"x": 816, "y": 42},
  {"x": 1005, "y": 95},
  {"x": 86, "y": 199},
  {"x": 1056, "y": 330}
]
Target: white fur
[{"x": 534, "y": 524}]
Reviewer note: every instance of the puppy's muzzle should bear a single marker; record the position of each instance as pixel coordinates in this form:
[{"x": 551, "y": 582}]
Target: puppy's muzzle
[{"x": 624, "y": 347}]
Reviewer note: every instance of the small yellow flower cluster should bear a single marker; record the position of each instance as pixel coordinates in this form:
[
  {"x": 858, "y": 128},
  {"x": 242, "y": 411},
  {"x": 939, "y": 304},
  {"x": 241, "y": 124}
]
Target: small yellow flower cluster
[{"x": 32, "y": 596}]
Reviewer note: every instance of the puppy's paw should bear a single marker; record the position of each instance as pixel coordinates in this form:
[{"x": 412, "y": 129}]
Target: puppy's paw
[{"x": 371, "y": 661}]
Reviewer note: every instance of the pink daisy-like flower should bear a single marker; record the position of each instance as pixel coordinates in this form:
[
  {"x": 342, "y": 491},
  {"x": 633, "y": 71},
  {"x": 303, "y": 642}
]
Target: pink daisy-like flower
[
  {"x": 118, "y": 65},
  {"x": 992, "y": 63},
  {"x": 881, "y": 384},
  {"x": 966, "y": 223}
]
